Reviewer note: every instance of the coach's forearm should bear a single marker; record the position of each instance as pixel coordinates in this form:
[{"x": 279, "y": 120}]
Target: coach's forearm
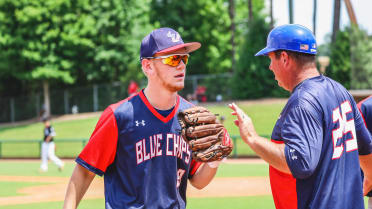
[
  {"x": 203, "y": 176},
  {"x": 366, "y": 165},
  {"x": 271, "y": 152},
  {"x": 80, "y": 180}
]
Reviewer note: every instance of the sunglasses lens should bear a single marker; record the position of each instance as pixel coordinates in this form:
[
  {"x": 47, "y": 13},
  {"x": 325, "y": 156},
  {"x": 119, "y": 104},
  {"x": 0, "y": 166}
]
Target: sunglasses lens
[
  {"x": 185, "y": 59},
  {"x": 175, "y": 60}
]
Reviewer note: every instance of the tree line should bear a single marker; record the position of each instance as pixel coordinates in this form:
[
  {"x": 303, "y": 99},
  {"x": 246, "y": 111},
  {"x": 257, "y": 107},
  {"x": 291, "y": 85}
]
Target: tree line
[{"x": 64, "y": 43}]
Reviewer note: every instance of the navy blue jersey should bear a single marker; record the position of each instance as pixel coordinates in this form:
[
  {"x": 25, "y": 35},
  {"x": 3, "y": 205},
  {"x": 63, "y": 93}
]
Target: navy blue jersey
[
  {"x": 365, "y": 107},
  {"x": 144, "y": 160},
  {"x": 324, "y": 134}
]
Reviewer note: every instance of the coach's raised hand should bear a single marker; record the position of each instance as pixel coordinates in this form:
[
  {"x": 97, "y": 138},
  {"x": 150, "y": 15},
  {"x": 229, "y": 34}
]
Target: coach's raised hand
[{"x": 245, "y": 124}]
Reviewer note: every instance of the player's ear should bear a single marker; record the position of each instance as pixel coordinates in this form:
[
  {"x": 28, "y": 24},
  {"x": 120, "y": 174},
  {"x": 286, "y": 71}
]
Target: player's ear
[
  {"x": 285, "y": 58},
  {"x": 146, "y": 66}
]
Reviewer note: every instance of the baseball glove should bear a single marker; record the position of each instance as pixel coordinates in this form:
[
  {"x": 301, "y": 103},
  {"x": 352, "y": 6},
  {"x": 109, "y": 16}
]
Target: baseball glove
[{"x": 207, "y": 138}]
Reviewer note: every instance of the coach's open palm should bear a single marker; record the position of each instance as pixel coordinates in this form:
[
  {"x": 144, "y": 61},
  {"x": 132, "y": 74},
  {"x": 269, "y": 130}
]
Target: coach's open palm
[{"x": 244, "y": 122}]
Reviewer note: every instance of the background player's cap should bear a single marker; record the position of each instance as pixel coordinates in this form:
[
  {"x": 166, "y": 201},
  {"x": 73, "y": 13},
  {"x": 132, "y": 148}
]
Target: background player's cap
[{"x": 164, "y": 40}]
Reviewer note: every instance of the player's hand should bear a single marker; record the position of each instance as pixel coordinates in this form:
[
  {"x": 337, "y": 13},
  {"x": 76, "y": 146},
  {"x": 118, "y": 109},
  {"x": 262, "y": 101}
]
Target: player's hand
[
  {"x": 244, "y": 122},
  {"x": 367, "y": 185}
]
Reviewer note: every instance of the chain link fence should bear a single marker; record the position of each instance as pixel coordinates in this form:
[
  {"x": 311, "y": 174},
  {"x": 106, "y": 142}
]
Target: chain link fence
[{"x": 94, "y": 98}]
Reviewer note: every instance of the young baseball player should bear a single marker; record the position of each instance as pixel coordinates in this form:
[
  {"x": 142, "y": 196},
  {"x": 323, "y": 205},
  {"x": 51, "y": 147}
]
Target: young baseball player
[
  {"x": 136, "y": 144},
  {"x": 365, "y": 107},
  {"x": 320, "y": 135},
  {"x": 48, "y": 148}
]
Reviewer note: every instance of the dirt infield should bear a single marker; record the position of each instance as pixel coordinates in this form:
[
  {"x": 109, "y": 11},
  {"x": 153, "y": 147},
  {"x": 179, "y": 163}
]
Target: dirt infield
[{"x": 55, "y": 187}]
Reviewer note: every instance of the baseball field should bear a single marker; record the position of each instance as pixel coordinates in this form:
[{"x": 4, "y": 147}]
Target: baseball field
[{"x": 240, "y": 183}]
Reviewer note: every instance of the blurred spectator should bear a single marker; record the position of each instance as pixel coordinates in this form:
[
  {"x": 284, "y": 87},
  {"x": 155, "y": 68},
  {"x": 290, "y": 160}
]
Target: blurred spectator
[
  {"x": 218, "y": 98},
  {"x": 75, "y": 109},
  {"x": 201, "y": 93},
  {"x": 132, "y": 88}
]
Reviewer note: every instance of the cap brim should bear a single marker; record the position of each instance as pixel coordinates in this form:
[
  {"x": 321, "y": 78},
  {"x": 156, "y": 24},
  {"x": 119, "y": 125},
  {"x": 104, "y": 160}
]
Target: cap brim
[
  {"x": 264, "y": 51},
  {"x": 189, "y": 47}
]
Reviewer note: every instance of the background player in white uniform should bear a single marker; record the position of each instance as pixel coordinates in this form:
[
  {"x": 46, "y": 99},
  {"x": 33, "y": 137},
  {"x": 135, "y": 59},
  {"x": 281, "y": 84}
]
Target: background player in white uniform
[{"x": 48, "y": 148}]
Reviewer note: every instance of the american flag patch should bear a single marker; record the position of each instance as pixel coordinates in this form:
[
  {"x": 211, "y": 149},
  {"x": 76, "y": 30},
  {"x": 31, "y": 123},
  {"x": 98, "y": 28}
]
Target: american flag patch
[{"x": 304, "y": 47}]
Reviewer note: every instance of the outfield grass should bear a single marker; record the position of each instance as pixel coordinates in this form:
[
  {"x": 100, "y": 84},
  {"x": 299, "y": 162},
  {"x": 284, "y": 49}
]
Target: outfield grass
[
  {"x": 263, "y": 115},
  {"x": 30, "y": 168},
  {"x": 17, "y": 168}
]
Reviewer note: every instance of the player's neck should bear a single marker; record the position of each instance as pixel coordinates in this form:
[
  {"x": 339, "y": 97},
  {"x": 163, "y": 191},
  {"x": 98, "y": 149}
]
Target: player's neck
[
  {"x": 304, "y": 74},
  {"x": 160, "y": 99}
]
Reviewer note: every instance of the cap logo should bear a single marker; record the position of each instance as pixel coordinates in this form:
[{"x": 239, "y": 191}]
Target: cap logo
[{"x": 174, "y": 36}]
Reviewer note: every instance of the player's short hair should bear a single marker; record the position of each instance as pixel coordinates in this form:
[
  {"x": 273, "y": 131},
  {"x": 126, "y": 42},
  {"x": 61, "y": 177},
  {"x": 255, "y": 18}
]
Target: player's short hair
[{"x": 300, "y": 58}]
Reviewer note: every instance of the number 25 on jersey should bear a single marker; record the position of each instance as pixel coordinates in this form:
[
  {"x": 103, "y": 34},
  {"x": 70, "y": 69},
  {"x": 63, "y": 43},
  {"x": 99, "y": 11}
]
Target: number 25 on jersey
[{"x": 345, "y": 133}]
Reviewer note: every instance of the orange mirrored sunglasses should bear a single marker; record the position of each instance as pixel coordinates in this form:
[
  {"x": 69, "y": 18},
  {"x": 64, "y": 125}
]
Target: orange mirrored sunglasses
[{"x": 173, "y": 59}]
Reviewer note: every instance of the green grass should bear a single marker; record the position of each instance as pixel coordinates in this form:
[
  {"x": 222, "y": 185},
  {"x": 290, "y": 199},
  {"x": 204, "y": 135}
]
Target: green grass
[
  {"x": 85, "y": 204},
  {"x": 242, "y": 170},
  {"x": 70, "y": 129},
  {"x": 31, "y": 168},
  {"x": 263, "y": 115}
]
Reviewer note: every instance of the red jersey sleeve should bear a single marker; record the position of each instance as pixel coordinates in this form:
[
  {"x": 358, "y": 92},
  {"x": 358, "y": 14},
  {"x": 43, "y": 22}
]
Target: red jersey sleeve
[{"x": 100, "y": 151}]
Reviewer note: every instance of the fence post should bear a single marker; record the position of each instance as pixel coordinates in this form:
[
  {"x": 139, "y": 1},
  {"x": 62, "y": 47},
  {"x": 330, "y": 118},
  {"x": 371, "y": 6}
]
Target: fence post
[
  {"x": 65, "y": 96},
  {"x": 95, "y": 98},
  {"x": 12, "y": 110},
  {"x": 235, "y": 153}
]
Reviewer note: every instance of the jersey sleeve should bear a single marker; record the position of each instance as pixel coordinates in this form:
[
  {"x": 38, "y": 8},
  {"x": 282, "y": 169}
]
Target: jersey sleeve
[
  {"x": 302, "y": 134},
  {"x": 364, "y": 137},
  {"x": 100, "y": 151}
]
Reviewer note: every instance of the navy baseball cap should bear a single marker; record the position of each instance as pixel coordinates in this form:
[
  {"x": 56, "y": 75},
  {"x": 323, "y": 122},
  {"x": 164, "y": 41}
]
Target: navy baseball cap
[{"x": 164, "y": 40}]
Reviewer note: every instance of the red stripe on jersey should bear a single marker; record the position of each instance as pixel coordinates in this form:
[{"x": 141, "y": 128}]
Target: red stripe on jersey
[
  {"x": 194, "y": 167},
  {"x": 277, "y": 141},
  {"x": 283, "y": 187},
  {"x": 360, "y": 110},
  {"x": 101, "y": 149},
  {"x": 158, "y": 115}
]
